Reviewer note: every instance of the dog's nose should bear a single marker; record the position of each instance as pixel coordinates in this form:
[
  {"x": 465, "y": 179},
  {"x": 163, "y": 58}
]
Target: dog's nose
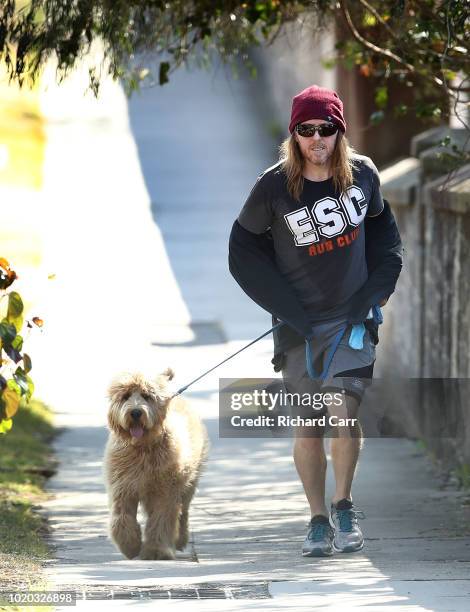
[{"x": 136, "y": 414}]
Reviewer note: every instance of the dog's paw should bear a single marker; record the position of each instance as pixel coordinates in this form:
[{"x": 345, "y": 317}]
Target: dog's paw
[
  {"x": 126, "y": 535},
  {"x": 131, "y": 552},
  {"x": 151, "y": 553}
]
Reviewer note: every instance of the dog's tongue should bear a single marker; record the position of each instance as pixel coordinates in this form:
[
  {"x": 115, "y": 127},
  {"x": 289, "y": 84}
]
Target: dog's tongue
[{"x": 137, "y": 432}]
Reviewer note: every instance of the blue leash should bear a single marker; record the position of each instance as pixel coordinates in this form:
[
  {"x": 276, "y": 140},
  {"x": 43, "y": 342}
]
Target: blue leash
[
  {"x": 182, "y": 389},
  {"x": 308, "y": 350},
  {"x": 331, "y": 353},
  {"x": 356, "y": 341}
]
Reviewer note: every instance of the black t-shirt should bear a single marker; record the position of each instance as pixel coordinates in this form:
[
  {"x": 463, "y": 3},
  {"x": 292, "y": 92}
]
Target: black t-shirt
[{"x": 319, "y": 240}]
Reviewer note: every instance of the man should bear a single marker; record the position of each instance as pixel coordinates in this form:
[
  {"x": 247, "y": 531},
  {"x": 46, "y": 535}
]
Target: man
[{"x": 316, "y": 245}]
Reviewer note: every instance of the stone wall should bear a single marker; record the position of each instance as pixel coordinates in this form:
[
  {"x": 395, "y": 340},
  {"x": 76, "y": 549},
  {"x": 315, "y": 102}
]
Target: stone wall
[{"x": 426, "y": 331}]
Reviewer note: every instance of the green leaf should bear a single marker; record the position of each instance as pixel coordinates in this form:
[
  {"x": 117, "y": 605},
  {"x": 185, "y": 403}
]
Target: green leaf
[
  {"x": 15, "y": 310},
  {"x": 381, "y": 96},
  {"x": 29, "y": 380},
  {"x": 17, "y": 343},
  {"x": 7, "y": 332},
  {"x": 369, "y": 20},
  {"x": 13, "y": 386},
  {"x": 27, "y": 363},
  {"x": 450, "y": 75},
  {"x": 400, "y": 110},
  {"x": 24, "y": 382},
  {"x": 425, "y": 110},
  {"x": 163, "y": 74},
  {"x": 329, "y": 63},
  {"x": 13, "y": 354},
  {"x": 5, "y": 426}
]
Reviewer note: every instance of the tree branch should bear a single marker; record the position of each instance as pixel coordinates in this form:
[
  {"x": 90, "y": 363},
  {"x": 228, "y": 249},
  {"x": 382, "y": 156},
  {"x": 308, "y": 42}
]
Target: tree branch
[
  {"x": 374, "y": 12},
  {"x": 384, "y": 52},
  {"x": 367, "y": 43}
]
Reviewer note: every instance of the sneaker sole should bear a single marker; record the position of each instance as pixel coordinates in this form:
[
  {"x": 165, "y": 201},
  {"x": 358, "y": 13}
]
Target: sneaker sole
[
  {"x": 318, "y": 552},
  {"x": 348, "y": 549}
]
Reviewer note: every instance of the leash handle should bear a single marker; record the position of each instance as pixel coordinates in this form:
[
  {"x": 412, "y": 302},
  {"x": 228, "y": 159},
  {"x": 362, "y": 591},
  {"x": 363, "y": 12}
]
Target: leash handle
[
  {"x": 182, "y": 389},
  {"x": 331, "y": 353}
]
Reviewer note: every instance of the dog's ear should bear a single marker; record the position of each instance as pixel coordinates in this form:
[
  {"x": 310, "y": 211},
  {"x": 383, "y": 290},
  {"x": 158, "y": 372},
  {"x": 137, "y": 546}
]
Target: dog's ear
[
  {"x": 115, "y": 390},
  {"x": 116, "y": 387},
  {"x": 168, "y": 373},
  {"x": 122, "y": 383},
  {"x": 112, "y": 419}
]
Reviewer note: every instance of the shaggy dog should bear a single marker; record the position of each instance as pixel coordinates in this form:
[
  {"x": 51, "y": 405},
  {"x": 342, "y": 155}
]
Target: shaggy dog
[{"x": 154, "y": 457}]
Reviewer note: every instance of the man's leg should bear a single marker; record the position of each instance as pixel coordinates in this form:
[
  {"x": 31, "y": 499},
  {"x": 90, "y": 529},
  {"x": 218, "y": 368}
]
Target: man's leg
[
  {"x": 309, "y": 454},
  {"x": 345, "y": 447},
  {"x": 310, "y": 462},
  {"x": 346, "y": 444}
]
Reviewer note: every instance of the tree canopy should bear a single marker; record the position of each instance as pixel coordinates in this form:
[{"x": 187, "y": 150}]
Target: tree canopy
[{"x": 423, "y": 43}]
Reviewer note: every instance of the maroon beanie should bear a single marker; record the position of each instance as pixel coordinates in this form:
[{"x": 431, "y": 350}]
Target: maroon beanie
[{"x": 317, "y": 103}]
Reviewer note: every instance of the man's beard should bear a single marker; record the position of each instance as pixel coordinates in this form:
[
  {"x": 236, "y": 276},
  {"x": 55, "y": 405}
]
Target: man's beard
[{"x": 319, "y": 159}]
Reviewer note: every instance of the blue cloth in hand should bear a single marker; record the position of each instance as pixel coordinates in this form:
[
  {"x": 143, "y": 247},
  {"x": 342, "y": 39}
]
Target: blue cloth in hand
[{"x": 356, "y": 337}]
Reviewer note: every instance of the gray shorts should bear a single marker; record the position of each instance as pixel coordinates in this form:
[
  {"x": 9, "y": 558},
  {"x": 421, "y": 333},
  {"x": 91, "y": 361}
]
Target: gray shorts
[{"x": 350, "y": 371}]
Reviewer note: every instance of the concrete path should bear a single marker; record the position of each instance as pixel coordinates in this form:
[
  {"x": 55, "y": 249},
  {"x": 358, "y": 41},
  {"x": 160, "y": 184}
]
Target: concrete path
[{"x": 142, "y": 209}]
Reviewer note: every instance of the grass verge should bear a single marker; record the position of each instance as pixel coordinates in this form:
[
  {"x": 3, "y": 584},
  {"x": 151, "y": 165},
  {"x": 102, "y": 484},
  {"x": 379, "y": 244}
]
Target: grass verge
[{"x": 25, "y": 464}]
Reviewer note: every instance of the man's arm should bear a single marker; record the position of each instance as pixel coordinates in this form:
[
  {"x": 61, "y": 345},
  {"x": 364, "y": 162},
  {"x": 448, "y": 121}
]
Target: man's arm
[
  {"x": 384, "y": 255},
  {"x": 253, "y": 266}
]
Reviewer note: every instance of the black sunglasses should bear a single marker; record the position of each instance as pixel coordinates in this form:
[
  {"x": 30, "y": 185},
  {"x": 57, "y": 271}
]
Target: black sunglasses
[{"x": 324, "y": 129}]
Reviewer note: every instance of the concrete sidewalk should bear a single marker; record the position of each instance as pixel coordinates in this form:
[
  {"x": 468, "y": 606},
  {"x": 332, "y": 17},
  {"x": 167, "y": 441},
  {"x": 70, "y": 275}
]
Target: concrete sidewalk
[
  {"x": 248, "y": 523},
  {"x": 142, "y": 212}
]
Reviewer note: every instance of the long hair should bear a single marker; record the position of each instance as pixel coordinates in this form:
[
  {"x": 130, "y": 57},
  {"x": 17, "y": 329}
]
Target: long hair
[{"x": 341, "y": 164}]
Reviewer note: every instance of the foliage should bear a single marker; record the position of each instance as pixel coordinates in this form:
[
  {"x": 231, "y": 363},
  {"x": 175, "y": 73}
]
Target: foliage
[
  {"x": 422, "y": 43},
  {"x": 131, "y": 31},
  {"x": 15, "y": 383}
]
